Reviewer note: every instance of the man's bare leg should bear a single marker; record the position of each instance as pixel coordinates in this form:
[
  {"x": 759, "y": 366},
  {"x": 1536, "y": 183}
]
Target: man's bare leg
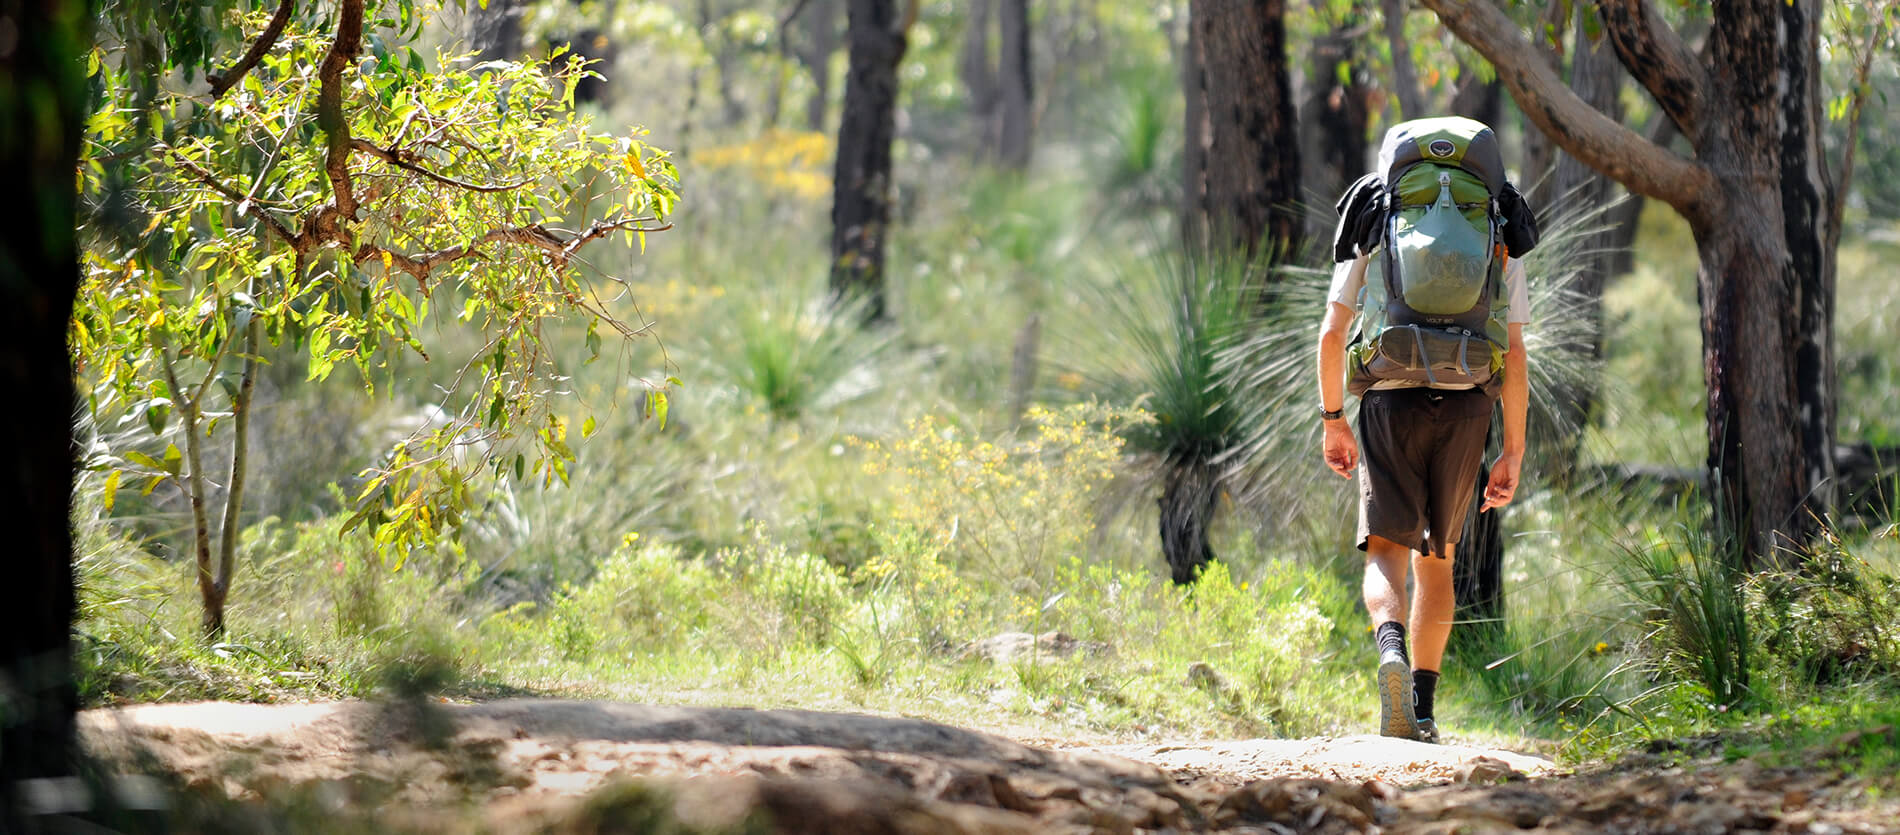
[
  {"x": 1385, "y": 579},
  {"x": 1432, "y": 608},
  {"x": 1384, "y": 589}
]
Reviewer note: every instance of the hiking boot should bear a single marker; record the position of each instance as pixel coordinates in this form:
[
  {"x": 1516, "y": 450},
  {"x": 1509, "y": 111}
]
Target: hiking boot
[
  {"x": 1395, "y": 697},
  {"x": 1428, "y": 731}
]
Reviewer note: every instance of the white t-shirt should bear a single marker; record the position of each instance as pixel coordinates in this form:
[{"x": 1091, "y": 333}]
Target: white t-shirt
[{"x": 1349, "y": 284}]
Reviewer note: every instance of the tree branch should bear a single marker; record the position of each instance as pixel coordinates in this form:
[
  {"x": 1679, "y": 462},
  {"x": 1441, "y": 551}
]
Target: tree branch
[
  {"x": 1845, "y": 180},
  {"x": 1582, "y": 130},
  {"x": 336, "y": 129},
  {"x": 276, "y": 226},
  {"x": 396, "y": 159},
  {"x": 785, "y": 20},
  {"x": 1657, "y": 58},
  {"x": 420, "y": 265},
  {"x": 223, "y": 82}
]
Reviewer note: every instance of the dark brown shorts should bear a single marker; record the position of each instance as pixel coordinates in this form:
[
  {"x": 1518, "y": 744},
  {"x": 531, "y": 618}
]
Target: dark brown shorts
[{"x": 1420, "y": 451}]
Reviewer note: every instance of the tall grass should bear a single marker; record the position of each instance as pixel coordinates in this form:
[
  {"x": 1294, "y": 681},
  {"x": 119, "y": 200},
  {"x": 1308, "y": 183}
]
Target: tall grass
[{"x": 1698, "y": 626}]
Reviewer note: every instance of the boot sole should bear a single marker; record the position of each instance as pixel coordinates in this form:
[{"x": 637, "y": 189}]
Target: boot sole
[{"x": 1396, "y": 718}]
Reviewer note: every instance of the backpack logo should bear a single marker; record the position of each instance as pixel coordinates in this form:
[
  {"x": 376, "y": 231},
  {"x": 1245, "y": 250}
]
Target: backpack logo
[{"x": 1441, "y": 148}]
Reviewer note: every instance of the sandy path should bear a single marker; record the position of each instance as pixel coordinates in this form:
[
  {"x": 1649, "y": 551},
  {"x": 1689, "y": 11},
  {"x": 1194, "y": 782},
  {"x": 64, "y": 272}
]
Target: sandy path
[{"x": 543, "y": 765}]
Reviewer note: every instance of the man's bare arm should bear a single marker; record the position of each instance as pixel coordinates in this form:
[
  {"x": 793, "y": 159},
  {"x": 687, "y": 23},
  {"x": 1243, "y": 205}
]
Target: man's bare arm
[
  {"x": 1517, "y": 397},
  {"x": 1337, "y": 444}
]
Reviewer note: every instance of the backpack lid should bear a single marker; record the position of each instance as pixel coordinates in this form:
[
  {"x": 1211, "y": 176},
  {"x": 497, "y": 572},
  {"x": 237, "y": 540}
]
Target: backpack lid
[{"x": 1445, "y": 140}]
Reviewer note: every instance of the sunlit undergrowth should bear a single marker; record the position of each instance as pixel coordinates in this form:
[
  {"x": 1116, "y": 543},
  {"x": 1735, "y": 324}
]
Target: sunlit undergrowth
[{"x": 836, "y": 519}]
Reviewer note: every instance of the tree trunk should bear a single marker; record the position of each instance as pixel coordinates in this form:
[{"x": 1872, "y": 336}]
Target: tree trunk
[
  {"x": 821, "y": 20},
  {"x": 1404, "y": 77},
  {"x": 1187, "y": 502},
  {"x": 1250, "y": 173},
  {"x": 978, "y": 72},
  {"x": 1477, "y": 573},
  {"x": 1333, "y": 120},
  {"x": 44, "y": 101},
  {"x": 1196, "y": 133},
  {"x": 495, "y": 30},
  {"x": 1597, "y": 79},
  {"x": 1479, "y": 99},
  {"x": 1016, "y": 87},
  {"x": 1756, "y": 196},
  {"x": 1766, "y": 280},
  {"x": 861, "y": 203}
]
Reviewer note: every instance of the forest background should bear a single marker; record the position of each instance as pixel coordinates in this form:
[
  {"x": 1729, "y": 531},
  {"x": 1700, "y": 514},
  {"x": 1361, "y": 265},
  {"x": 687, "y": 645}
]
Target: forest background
[{"x": 734, "y": 452}]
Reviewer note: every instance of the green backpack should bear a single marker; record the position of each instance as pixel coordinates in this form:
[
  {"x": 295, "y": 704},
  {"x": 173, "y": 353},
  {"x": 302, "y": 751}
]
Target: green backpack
[{"x": 1435, "y": 312}]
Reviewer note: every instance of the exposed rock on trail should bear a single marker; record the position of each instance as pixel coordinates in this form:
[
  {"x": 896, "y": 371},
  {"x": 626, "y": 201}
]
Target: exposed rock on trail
[{"x": 563, "y": 766}]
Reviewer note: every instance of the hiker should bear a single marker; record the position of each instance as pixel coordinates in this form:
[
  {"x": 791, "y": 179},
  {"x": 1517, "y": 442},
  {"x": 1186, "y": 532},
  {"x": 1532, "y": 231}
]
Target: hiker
[{"x": 1428, "y": 266}]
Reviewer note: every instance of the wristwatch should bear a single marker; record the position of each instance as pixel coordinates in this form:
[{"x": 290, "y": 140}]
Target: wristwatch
[{"x": 1331, "y": 414}]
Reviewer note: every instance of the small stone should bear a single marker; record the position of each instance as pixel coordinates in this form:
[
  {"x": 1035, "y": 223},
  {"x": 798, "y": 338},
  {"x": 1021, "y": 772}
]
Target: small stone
[{"x": 1486, "y": 770}]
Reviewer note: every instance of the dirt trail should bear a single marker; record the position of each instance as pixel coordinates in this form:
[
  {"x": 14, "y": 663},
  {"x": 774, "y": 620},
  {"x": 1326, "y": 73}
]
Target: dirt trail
[{"x": 545, "y": 765}]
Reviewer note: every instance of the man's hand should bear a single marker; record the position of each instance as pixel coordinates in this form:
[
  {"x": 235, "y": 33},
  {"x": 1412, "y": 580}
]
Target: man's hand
[
  {"x": 1503, "y": 484},
  {"x": 1341, "y": 451}
]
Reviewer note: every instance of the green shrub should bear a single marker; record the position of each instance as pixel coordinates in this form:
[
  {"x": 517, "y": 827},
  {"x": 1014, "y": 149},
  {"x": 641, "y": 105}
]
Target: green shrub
[
  {"x": 643, "y": 597},
  {"x": 1830, "y": 622},
  {"x": 807, "y": 595},
  {"x": 1697, "y": 625},
  {"x": 1003, "y": 514}
]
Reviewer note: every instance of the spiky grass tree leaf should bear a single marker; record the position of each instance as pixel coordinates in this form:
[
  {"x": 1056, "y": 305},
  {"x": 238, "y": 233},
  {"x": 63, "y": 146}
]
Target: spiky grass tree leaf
[
  {"x": 1151, "y": 334},
  {"x": 796, "y": 350}
]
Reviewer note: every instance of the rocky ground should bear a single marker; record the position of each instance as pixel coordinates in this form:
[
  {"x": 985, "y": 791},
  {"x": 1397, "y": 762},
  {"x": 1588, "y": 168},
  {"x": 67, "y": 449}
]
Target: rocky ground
[{"x": 564, "y": 766}]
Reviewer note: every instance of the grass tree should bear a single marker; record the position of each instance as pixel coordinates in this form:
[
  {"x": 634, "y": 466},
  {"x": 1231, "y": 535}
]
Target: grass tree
[
  {"x": 1155, "y": 338},
  {"x": 336, "y": 193}
]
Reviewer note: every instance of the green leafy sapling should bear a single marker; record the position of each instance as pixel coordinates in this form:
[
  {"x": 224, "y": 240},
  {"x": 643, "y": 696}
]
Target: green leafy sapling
[{"x": 332, "y": 192}]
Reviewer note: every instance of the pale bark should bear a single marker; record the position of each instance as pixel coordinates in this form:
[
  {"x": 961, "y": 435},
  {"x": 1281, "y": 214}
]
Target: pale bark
[{"x": 1596, "y": 139}]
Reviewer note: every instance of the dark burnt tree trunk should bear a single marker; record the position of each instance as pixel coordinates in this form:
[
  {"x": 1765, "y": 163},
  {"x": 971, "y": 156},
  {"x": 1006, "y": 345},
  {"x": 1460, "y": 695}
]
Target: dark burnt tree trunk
[
  {"x": 1015, "y": 86},
  {"x": 1597, "y": 79},
  {"x": 1478, "y": 99},
  {"x": 1477, "y": 572},
  {"x": 1195, "y": 132},
  {"x": 861, "y": 201},
  {"x": 977, "y": 68},
  {"x": 1247, "y": 174},
  {"x": 1333, "y": 119},
  {"x": 1758, "y": 197},
  {"x": 495, "y": 30},
  {"x": 999, "y": 82},
  {"x": 1189, "y": 495},
  {"x": 42, "y": 104}
]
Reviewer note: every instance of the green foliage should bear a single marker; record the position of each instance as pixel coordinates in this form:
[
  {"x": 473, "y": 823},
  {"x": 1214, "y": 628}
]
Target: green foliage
[
  {"x": 1005, "y": 514},
  {"x": 793, "y": 355},
  {"x": 1831, "y": 622},
  {"x": 1698, "y": 625},
  {"x": 639, "y": 596},
  {"x": 328, "y": 209}
]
